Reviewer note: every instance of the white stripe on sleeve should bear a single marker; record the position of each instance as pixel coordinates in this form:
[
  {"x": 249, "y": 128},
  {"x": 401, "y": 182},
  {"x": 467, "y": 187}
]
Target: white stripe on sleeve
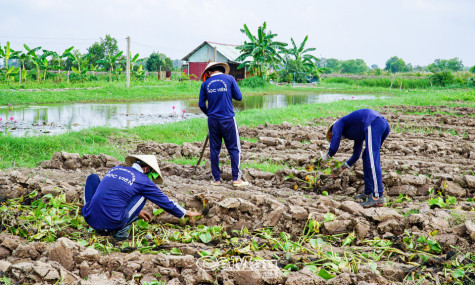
[
  {"x": 181, "y": 208},
  {"x": 134, "y": 208}
]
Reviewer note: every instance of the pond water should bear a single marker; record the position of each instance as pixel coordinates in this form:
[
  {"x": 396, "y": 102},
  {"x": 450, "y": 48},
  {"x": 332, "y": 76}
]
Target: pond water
[{"x": 60, "y": 118}]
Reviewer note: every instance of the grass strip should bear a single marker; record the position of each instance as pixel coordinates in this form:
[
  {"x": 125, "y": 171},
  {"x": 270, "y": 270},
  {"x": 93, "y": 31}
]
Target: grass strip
[{"x": 154, "y": 90}]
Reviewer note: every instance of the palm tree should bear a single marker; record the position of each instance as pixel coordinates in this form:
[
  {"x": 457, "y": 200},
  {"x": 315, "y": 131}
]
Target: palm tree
[{"x": 261, "y": 52}]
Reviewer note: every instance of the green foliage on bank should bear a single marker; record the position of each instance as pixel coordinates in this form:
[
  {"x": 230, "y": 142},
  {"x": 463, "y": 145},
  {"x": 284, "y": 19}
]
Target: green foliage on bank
[{"x": 253, "y": 82}]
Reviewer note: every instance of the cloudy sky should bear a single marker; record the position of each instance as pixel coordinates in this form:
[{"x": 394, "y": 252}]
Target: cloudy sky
[{"x": 419, "y": 31}]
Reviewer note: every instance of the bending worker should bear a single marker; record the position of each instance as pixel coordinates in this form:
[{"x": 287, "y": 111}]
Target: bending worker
[
  {"x": 113, "y": 204},
  {"x": 219, "y": 89},
  {"x": 368, "y": 126}
]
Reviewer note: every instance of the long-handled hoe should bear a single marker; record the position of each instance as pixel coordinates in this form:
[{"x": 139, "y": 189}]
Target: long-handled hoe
[{"x": 202, "y": 152}]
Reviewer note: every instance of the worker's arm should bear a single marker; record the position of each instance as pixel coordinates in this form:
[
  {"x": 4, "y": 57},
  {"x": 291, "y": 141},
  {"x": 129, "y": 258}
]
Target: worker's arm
[
  {"x": 154, "y": 194},
  {"x": 236, "y": 92},
  {"x": 202, "y": 99},
  {"x": 336, "y": 138},
  {"x": 357, "y": 147}
]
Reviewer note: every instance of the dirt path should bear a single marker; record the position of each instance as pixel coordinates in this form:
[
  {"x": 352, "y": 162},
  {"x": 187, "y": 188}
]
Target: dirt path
[{"x": 418, "y": 168}]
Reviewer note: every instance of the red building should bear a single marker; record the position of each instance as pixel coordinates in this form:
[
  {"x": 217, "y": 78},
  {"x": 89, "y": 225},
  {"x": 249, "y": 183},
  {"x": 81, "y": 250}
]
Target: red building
[{"x": 197, "y": 60}]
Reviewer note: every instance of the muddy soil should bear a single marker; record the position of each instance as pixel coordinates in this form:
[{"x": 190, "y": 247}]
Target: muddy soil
[{"x": 423, "y": 155}]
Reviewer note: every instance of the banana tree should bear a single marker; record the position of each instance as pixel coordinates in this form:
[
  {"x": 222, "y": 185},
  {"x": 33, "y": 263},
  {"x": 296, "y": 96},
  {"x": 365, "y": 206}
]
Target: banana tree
[
  {"x": 93, "y": 69},
  {"x": 81, "y": 62},
  {"x": 34, "y": 59},
  {"x": 44, "y": 62},
  {"x": 77, "y": 59},
  {"x": 9, "y": 72},
  {"x": 112, "y": 61},
  {"x": 58, "y": 58},
  {"x": 138, "y": 71},
  {"x": 261, "y": 52},
  {"x": 299, "y": 54},
  {"x": 22, "y": 57},
  {"x": 7, "y": 53}
]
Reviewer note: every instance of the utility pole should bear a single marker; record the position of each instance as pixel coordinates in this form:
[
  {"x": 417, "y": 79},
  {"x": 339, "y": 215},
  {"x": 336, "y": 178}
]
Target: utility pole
[
  {"x": 215, "y": 54},
  {"x": 128, "y": 63}
]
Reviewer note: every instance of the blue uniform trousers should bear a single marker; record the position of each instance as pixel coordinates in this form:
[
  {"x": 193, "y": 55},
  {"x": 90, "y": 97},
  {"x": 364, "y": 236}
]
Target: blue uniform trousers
[
  {"x": 375, "y": 135},
  {"x": 133, "y": 208},
  {"x": 224, "y": 129}
]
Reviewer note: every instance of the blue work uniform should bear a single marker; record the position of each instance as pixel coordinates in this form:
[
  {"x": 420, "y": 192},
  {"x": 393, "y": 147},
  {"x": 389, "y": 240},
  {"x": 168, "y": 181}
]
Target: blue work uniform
[
  {"x": 368, "y": 126},
  {"x": 115, "y": 202},
  {"x": 219, "y": 91}
]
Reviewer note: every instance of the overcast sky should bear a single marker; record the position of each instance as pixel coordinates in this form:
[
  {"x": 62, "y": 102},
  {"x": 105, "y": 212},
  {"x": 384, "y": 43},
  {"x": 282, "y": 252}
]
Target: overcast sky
[{"x": 418, "y": 31}]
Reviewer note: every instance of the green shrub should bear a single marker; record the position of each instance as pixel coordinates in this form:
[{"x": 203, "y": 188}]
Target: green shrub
[
  {"x": 289, "y": 78},
  {"x": 406, "y": 83},
  {"x": 274, "y": 76},
  {"x": 75, "y": 77},
  {"x": 253, "y": 82},
  {"x": 443, "y": 78},
  {"x": 472, "y": 69},
  {"x": 471, "y": 81}
]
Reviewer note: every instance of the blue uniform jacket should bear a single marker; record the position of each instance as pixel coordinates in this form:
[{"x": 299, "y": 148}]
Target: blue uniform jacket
[
  {"x": 219, "y": 90},
  {"x": 107, "y": 209},
  {"x": 353, "y": 127}
]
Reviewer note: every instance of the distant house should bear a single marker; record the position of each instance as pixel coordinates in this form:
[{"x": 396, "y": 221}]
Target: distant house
[{"x": 196, "y": 60}]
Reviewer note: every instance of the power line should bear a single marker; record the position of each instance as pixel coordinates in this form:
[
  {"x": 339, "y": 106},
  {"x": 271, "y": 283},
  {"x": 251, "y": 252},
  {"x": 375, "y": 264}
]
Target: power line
[
  {"x": 42, "y": 38},
  {"x": 36, "y": 43},
  {"x": 159, "y": 47}
]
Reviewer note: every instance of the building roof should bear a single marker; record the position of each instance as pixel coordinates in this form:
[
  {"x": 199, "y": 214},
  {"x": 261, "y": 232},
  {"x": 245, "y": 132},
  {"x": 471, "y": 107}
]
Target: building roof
[{"x": 227, "y": 50}]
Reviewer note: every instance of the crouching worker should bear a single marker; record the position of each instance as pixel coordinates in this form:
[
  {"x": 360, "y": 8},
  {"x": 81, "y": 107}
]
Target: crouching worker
[
  {"x": 368, "y": 126},
  {"x": 113, "y": 204}
]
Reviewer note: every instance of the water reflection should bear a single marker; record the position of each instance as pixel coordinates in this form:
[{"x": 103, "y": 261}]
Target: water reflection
[{"x": 58, "y": 118}]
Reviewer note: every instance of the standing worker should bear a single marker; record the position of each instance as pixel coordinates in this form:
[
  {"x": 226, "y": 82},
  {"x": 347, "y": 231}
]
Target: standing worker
[
  {"x": 362, "y": 125},
  {"x": 219, "y": 89},
  {"x": 113, "y": 204}
]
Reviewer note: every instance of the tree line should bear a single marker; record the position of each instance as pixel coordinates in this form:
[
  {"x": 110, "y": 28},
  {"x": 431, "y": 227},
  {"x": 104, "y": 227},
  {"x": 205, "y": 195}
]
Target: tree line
[
  {"x": 39, "y": 64},
  {"x": 393, "y": 65},
  {"x": 266, "y": 57}
]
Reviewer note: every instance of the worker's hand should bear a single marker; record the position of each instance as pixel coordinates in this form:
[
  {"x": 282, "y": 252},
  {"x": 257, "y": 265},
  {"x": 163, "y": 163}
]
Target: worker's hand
[
  {"x": 341, "y": 169},
  {"x": 192, "y": 214},
  {"x": 144, "y": 216},
  {"x": 324, "y": 158},
  {"x": 344, "y": 166}
]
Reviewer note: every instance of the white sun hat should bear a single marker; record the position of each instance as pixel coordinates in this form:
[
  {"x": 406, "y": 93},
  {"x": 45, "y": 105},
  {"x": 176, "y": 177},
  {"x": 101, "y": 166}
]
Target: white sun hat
[
  {"x": 150, "y": 160},
  {"x": 329, "y": 130},
  {"x": 211, "y": 64}
]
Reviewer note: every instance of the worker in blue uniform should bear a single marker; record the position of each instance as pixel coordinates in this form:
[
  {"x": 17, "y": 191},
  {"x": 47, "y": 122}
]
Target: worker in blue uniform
[
  {"x": 218, "y": 90},
  {"x": 367, "y": 126},
  {"x": 113, "y": 204}
]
